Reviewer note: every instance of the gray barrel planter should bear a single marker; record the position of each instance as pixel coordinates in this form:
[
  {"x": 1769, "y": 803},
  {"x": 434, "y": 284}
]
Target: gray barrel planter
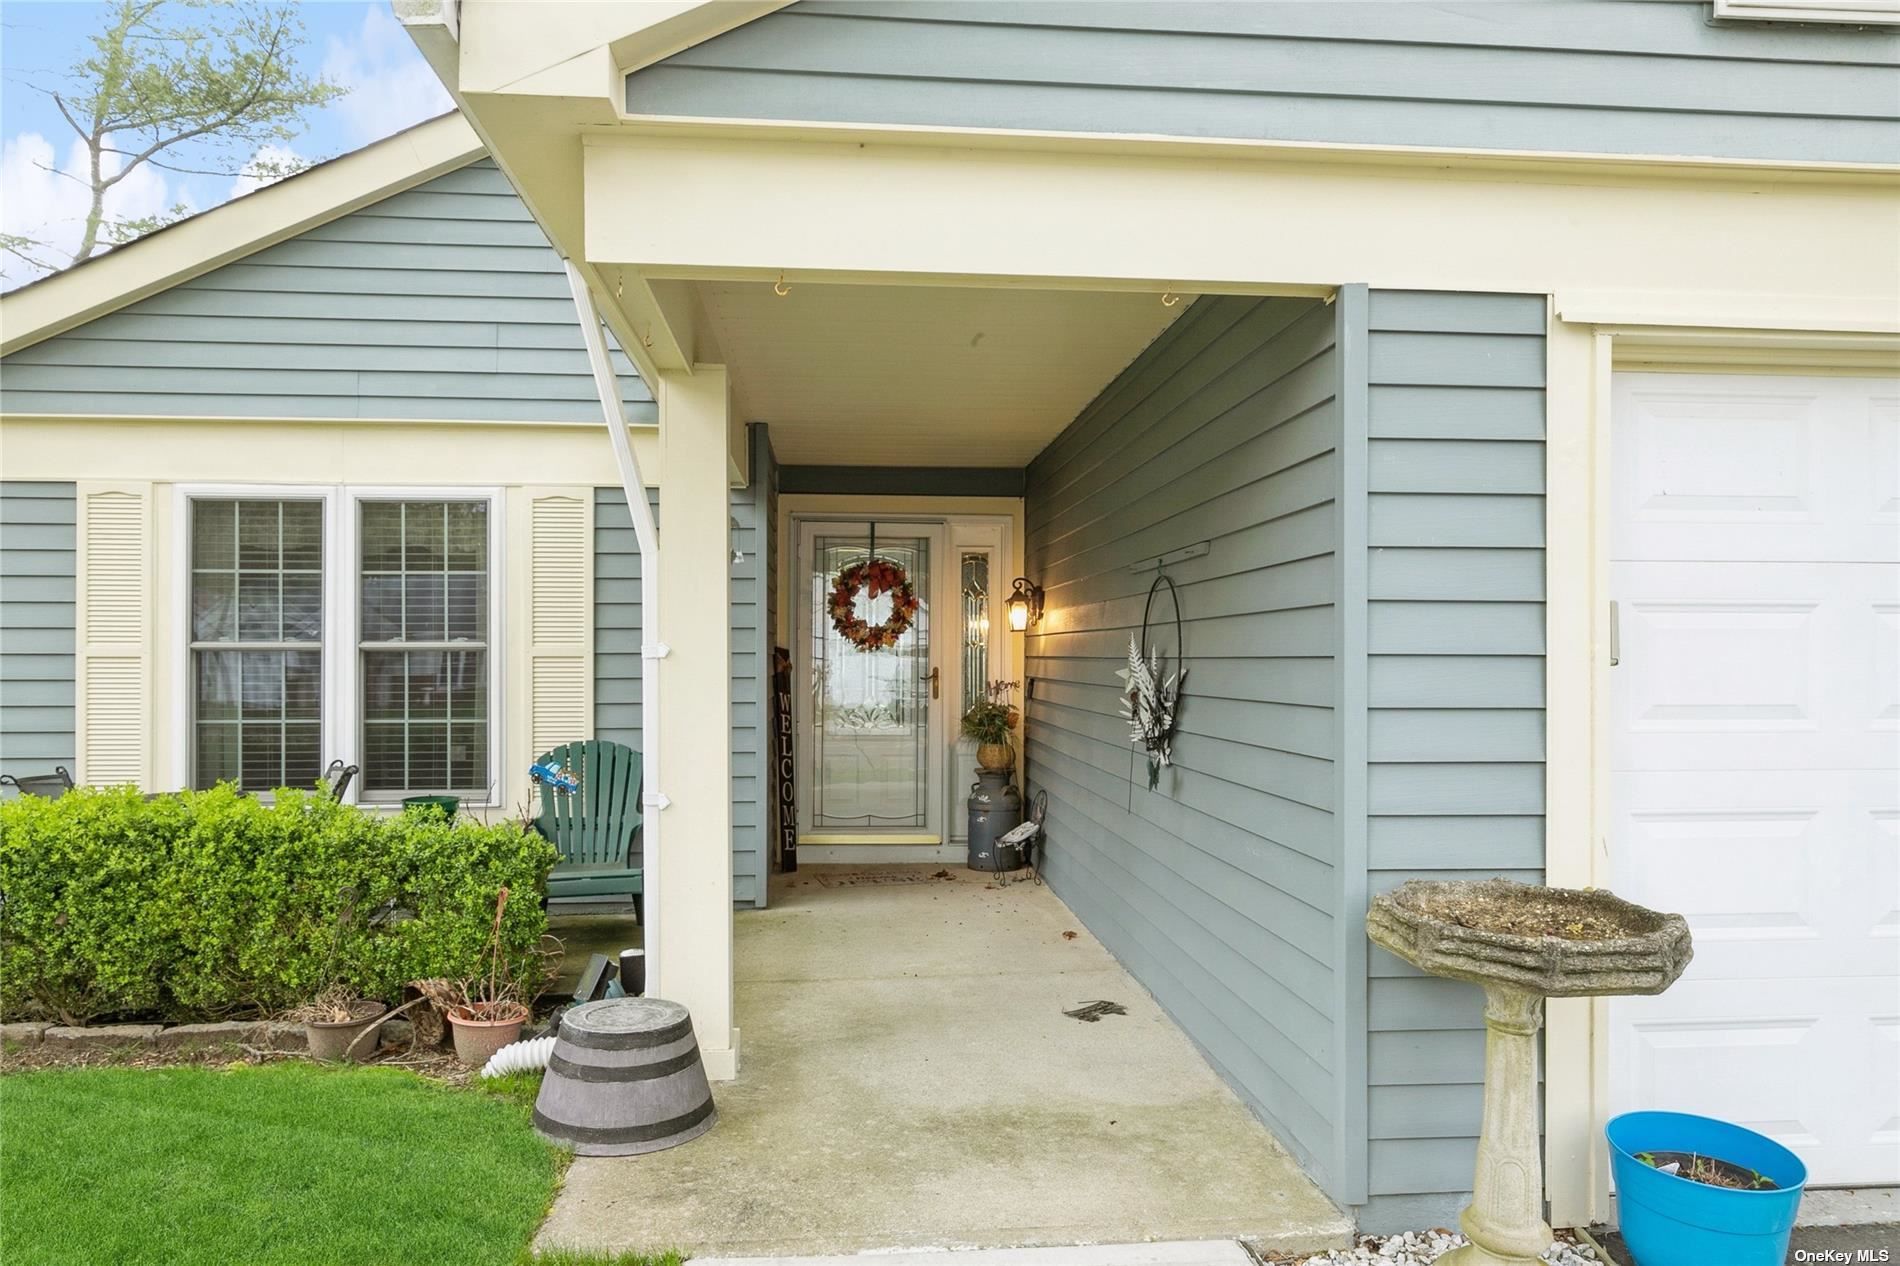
[{"x": 625, "y": 1078}]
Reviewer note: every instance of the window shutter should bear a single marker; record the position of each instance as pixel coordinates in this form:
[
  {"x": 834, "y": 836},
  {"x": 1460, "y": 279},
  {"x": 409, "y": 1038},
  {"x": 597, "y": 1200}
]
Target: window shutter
[
  {"x": 114, "y": 617},
  {"x": 560, "y": 618}
]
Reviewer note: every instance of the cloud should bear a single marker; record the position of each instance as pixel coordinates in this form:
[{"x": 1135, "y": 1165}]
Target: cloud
[
  {"x": 391, "y": 87},
  {"x": 49, "y": 205},
  {"x": 270, "y": 164}
]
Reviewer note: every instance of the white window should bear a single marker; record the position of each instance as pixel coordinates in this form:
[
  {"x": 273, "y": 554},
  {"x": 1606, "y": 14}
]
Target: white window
[
  {"x": 423, "y": 646},
  {"x": 256, "y": 642},
  {"x": 355, "y": 624}
]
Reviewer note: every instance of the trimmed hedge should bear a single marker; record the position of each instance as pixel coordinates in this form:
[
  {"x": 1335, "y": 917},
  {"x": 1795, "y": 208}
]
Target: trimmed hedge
[{"x": 211, "y": 903}]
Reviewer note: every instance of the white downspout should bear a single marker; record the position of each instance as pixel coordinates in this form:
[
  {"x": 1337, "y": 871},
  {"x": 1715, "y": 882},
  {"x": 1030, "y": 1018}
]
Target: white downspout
[{"x": 652, "y": 650}]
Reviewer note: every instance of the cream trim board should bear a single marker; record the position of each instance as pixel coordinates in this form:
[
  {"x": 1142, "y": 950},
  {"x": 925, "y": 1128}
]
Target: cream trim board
[
  {"x": 1582, "y": 361},
  {"x": 342, "y": 711},
  {"x": 827, "y": 211},
  {"x": 240, "y": 227},
  {"x": 197, "y": 419},
  {"x": 1692, "y": 166},
  {"x": 311, "y": 452},
  {"x": 1717, "y": 316}
]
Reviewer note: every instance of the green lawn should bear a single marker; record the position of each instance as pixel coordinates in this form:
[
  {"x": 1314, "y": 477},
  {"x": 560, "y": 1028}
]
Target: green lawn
[{"x": 278, "y": 1165}]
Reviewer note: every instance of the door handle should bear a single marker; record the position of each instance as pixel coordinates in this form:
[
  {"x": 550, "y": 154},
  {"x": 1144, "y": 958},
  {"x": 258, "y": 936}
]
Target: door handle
[
  {"x": 1616, "y": 634},
  {"x": 933, "y": 683}
]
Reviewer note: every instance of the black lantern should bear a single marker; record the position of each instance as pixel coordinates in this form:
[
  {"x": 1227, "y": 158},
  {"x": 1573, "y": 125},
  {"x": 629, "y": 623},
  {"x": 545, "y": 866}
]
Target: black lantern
[{"x": 1024, "y": 604}]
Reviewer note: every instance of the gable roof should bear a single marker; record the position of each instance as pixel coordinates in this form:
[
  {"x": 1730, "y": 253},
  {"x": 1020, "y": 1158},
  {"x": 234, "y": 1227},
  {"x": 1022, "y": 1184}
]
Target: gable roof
[
  {"x": 443, "y": 301},
  {"x": 235, "y": 229}
]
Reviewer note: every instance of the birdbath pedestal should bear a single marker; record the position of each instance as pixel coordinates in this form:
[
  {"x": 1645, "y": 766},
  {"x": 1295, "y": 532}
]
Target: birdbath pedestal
[{"x": 1523, "y": 944}]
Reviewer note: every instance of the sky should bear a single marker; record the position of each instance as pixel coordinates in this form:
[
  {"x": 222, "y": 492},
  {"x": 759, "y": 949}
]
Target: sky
[{"x": 356, "y": 44}]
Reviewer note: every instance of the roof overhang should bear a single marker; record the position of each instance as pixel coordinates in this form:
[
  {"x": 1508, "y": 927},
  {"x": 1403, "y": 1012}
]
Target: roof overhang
[{"x": 240, "y": 227}]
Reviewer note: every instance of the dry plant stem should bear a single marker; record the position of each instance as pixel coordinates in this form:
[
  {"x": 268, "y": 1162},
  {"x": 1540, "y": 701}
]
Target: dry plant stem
[
  {"x": 349, "y": 1051},
  {"x": 494, "y": 941}
]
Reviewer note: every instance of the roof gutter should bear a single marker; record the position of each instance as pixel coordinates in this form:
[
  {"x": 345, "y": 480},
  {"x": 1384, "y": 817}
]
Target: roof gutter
[{"x": 652, "y": 650}]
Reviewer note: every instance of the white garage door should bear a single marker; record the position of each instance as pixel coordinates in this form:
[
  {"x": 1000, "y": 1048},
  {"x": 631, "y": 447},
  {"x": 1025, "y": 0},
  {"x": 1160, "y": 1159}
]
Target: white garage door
[{"x": 1755, "y": 744}]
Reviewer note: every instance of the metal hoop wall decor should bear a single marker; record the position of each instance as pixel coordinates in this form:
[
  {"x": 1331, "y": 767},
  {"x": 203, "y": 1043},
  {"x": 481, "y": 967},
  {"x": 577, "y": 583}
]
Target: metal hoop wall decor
[
  {"x": 1147, "y": 613},
  {"x": 1153, "y": 699}
]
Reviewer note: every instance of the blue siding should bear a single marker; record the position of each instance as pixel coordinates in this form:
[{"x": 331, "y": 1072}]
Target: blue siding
[
  {"x": 1455, "y": 724},
  {"x": 751, "y": 673},
  {"x": 1365, "y": 639},
  {"x": 38, "y": 556},
  {"x": 1588, "y": 76},
  {"x": 443, "y": 302},
  {"x": 617, "y": 699},
  {"x": 1219, "y": 890}
]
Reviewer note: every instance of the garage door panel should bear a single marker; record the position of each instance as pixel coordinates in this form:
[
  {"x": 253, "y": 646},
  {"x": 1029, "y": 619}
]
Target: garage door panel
[
  {"x": 1755, "y": 744},
  {"x": 1750, "y": 468},
  {"x": 1729, "y": 1050},
  {"x": 1777, "y": 876},
  {"x": 1758, "y": 666},
  {"x": 1712, "y": 1065},
  {"x": 1883, "y": 468}
]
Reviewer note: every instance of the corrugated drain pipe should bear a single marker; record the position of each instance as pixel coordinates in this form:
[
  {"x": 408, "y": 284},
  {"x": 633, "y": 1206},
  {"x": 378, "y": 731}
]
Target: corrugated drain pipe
[{"x": 652, "y": 650}]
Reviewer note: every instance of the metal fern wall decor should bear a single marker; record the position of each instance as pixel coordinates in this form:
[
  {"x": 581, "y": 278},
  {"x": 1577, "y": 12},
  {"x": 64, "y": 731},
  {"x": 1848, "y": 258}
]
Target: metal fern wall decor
[{"x": 1153, "y": 698}]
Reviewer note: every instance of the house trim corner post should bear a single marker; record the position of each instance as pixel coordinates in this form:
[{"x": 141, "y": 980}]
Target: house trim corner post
[
  {"x": 1351, "y": 1110},
  {"x": 1576, "y": 1161},
  {"x": 695, "y": 931}
]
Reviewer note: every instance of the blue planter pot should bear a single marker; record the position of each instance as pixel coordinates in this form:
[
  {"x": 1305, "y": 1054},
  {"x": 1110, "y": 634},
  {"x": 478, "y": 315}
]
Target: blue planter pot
[{"x": 1670, "y": 1221}]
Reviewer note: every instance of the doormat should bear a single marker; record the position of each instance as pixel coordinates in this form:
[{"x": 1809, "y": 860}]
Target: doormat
[
  {"x": 1090, "y": 1012},
  {"x": 867, "y": 878}
]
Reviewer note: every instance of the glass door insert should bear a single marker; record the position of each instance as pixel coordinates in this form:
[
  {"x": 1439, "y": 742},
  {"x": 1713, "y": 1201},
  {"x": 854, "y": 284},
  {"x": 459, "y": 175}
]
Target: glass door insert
[{"x": 871, "y": 715}]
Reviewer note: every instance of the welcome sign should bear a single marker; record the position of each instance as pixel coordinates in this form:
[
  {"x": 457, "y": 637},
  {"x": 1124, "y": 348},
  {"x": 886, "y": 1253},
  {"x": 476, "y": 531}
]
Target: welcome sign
[{"x": 785, "y": 803}]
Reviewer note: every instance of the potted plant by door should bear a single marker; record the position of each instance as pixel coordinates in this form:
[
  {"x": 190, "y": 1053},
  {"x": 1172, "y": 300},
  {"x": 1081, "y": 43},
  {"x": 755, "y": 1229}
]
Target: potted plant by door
[
  {"x": 486, "y": 1012},
  {"x": 991, "y": 722},
  {"x": 1692, "y": 1190}
]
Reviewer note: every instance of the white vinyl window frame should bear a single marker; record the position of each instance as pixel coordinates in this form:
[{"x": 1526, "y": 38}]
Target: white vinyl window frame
[
  {"x": 1854, "y": 12},
  {"x": 341, "y": 720}
]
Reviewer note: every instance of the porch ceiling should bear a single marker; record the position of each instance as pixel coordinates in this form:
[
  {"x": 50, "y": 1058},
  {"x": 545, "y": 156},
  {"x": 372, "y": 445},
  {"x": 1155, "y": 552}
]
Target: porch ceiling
[{"x": 919, "y": 375}]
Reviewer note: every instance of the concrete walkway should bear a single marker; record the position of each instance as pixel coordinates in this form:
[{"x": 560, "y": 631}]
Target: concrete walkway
[{"x": 908, "y": 1080}]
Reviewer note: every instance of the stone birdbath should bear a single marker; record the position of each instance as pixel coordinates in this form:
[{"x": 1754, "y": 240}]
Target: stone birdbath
[{"x": 1523, "y": 944}]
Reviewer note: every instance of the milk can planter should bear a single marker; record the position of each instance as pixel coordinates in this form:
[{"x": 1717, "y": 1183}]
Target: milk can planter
[{"x": 1523, "y": 944}]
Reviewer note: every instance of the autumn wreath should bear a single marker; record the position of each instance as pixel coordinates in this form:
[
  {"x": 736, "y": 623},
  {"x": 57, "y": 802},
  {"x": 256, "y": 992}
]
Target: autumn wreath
[{"x": 872, "y": 577}]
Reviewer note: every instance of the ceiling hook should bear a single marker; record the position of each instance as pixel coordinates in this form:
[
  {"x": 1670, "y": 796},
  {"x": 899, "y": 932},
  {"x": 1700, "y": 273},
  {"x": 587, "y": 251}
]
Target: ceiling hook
[
  {"x": 1169, "y": 298},
  {"x": 779, "y": 287}
]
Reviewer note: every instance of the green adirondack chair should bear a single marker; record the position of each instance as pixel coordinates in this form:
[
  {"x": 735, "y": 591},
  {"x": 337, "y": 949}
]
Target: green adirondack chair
[{"x": 595, "y": 827}]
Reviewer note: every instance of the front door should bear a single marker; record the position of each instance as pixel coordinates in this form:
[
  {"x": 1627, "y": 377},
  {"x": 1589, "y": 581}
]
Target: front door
[{"x": 871, "y": 719}]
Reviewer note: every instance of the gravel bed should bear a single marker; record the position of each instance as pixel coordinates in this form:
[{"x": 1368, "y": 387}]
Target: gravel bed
[{"x": 1417, "y": 1248}]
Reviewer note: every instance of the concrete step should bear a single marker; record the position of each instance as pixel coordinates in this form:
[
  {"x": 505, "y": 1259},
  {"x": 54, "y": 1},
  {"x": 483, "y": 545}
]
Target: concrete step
[{"x": 1172, "y": 1253}]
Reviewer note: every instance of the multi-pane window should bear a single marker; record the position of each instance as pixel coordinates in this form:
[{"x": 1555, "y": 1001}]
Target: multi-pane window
[
  {"x": 423, "y": 645},
  {"x": 257, "y": 642}
]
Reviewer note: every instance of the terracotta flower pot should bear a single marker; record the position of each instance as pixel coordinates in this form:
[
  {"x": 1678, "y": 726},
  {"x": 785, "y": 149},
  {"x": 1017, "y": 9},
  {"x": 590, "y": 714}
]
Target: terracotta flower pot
[
  {"x": 476, "y": 1041},
  {"x": 331, "y": 1041},
  {"x": 995, "y": 757}
]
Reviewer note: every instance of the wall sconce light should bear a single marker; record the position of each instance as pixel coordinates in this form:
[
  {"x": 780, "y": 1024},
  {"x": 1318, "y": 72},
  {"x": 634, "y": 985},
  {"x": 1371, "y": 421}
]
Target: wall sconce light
[{"x": 1024, "y": 605}]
